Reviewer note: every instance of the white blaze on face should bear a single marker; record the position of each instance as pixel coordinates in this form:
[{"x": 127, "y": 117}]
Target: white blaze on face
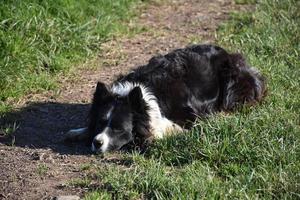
[
  {"x": 104, "y": 139},
  {"x": 109, "y": 113}
]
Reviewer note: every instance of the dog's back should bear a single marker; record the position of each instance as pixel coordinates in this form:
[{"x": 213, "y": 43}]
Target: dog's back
[{"x": 193, "y": 81}]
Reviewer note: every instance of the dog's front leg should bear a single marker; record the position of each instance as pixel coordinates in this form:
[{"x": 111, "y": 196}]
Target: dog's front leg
[{"x": 78, "y": 134}]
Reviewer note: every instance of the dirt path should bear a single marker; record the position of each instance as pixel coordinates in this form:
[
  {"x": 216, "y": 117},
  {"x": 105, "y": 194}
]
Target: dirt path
[{"x": 39, "y": 165}]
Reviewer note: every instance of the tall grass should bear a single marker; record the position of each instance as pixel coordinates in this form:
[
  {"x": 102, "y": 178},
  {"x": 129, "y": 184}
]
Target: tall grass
[
  {"x": 42, "y": 38},
  {"x": 250, "y": 154}
]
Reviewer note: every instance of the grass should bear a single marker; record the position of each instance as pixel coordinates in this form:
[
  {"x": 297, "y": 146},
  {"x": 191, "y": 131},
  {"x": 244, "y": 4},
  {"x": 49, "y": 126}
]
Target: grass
[
  {"x": 42, "y": 39},
  {"x": 9, "y": 129},
  {"x": 250, "y": 154},
  {"x": 42, "y": 169},
  {"x": 83, "y": 182}
]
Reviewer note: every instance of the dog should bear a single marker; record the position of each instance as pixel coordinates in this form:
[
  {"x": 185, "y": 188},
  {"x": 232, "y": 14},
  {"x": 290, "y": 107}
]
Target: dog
[{"x": 167, "y": 95}]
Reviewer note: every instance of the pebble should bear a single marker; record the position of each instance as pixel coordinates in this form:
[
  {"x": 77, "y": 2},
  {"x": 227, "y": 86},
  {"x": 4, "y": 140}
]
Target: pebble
[{"x": 70, "y": 197}]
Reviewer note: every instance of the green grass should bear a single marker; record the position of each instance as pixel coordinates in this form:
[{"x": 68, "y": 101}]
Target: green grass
[
  {"x": 9, "y": 129},
  {"x": 41, "y": 39},
  {"x": 42, "y": 169},
  {"x": 250, "y": 154}
]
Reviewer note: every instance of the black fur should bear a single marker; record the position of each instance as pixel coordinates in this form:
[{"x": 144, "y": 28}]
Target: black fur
[{"x": 187, "y": 83}]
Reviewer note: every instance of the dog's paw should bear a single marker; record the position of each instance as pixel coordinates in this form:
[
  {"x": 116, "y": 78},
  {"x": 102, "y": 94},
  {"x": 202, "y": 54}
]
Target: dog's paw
[{"x": 74, "y": 135}]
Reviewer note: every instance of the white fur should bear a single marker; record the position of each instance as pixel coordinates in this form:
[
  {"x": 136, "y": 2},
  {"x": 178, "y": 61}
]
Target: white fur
[
  {"x": 108, "y": 114},
  {"x": 104, "y": 139},
  {"x": 159, "y": 124}
]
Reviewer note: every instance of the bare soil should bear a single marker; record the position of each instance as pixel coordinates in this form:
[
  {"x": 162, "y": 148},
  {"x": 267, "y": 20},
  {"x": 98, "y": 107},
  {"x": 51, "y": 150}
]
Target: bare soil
[{"x": 35, "y": 163}]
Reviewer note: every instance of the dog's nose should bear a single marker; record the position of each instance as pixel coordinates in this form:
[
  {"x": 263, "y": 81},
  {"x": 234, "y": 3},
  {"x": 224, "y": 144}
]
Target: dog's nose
[{"x": 97, "y": 143}]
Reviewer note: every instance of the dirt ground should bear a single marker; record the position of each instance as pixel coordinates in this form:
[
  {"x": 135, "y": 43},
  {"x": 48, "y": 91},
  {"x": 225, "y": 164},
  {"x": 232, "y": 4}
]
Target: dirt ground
[{"x": 35, "y": 163}]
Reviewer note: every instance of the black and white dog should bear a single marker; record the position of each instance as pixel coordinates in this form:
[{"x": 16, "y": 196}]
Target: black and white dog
[{"x": 167, "y": 95}]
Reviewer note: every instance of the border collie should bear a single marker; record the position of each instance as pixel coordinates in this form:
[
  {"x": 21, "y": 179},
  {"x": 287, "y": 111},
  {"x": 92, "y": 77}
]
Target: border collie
[{"x": 167, "y": 95}]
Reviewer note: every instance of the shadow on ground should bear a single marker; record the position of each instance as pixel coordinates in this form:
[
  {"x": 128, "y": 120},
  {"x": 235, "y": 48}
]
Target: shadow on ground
[{"x": 43, "y": 125}]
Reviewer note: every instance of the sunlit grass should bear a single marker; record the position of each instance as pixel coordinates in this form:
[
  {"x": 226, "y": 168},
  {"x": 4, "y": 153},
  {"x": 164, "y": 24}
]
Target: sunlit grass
[{"x": 40, "y": 40}]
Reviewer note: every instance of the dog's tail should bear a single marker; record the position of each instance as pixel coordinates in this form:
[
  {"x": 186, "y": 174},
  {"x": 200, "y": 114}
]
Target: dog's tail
[{"x": 242, "y": 83}]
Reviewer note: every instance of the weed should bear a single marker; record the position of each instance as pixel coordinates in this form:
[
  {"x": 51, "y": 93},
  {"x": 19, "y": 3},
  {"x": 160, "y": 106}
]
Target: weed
[
  {"x": 83, "y": 183},
  {"x": 42, "y": 169},
  {"x": 85, "y": 167},
  {"x": 9, "y": 129}
]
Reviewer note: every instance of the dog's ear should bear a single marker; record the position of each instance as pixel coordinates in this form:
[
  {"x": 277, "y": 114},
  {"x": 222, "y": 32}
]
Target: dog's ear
[
  {"x": 101, "y": 93},
  {"x": 101, "y": 96},
  {"x": 135, "y": 99},
  {"x": 101, "y": 89}
]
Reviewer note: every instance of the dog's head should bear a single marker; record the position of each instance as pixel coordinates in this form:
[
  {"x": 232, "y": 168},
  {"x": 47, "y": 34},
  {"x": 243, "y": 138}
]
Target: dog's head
[
  {"x": 245, "y": 84},
  {"x": 112, "y": 118}
]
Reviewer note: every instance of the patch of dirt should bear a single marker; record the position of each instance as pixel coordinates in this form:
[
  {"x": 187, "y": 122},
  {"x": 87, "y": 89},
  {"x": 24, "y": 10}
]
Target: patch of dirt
[{"x": 36, "y": 163}]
